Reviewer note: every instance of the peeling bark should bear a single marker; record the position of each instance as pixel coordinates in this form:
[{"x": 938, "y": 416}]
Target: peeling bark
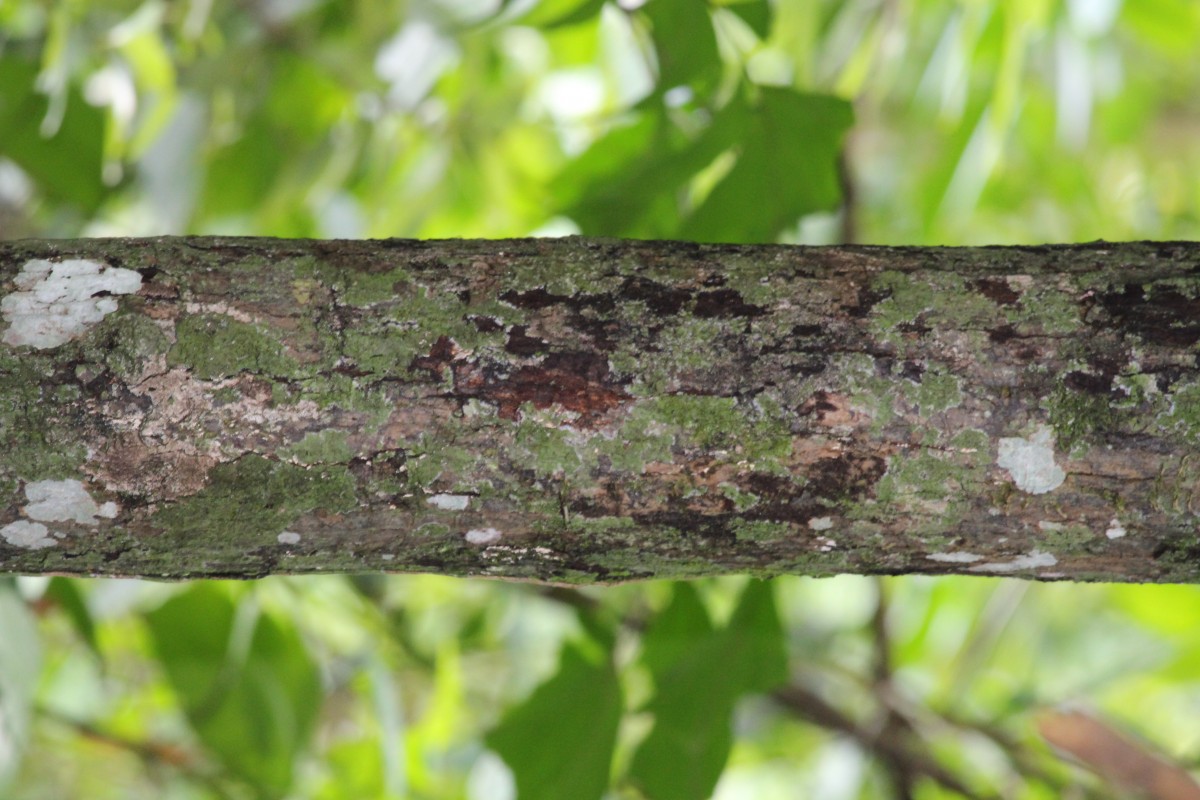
[{"x": 581, "y": 410}]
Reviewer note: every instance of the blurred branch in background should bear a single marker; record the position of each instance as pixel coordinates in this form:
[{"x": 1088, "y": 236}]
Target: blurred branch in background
[{"x": 1123, "y": 763}]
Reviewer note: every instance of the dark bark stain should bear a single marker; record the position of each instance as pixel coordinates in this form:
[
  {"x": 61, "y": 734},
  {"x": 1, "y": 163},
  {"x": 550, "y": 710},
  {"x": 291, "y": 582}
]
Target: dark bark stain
[
  {"x": 917, "y": 326},
  {"x": 844, "y": 476},
  {"x": 534, "y": 299},
  {"x": 886, "y": 367},
  {"x": 577, "y": 381},
  {"x": 441, "y": 354},
  {"x": 1002, "y": 334},
  {"x": 1184, "y": 550},
  {"x": 522, "y": 344},
  {"x": 912, "y": 371},
  {"x": 1166, "y": 377},
  {"x": 820, "y": 405},
  {"x": 866, "y": 300},
  {"x": 999, "y": 292},
  {"x": 600, "y": 329},
  {"x": 484, "y": 324},
  {"x": 1166, "y": 318},
  {"x": 827, "y": 482},
  {"x": 662, "y": 300},
  {"x": 1087, "y": 382},
  {"x": 602, "y": 332},
  {"x": 725, "y": 303},
  {"x": 768, "y": 485},
  {"x": 1029, "y": 353}
]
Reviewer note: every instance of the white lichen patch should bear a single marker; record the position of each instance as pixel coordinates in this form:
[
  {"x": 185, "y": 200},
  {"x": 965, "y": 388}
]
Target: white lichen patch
[
  {"x": 1034, "y": 559},
  {"x": 483, "y": 535},
  {"x": 288, "y": 537},
  {"x": 56, "y": 302},
  {"x": 954, "y": 558},
  {"x": 65, "y": 501},
  {"x": 1030, "y": 462},
  {"x": 31, "y": 535},
  {"x": 449, "y": 502},
  {"x": 1115, "y": 529},
  {"x": 820, "y": 523}
]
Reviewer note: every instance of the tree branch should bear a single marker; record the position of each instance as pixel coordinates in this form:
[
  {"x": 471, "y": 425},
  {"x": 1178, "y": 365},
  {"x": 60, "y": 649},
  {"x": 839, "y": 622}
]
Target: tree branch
[{"x": 582, "y": 410}]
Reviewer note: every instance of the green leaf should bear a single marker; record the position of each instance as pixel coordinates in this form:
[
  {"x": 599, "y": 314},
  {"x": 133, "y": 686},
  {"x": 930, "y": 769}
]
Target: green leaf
[
  {"x": 684, "y": 754},
  {"x": 675, "y": 630},
  {"x": 550, "y": 14},
  {"x": 559, "y": 742},
  {"x": 250, "y": 691},
  {"x": 786, "y": 168},
  {"x": 755, "y": 13},
  {"x": 20, "y": 662},
  {"x": 627, "y": 182},
  {"x": 755, "y": 634},
  {"x": 699, "y": 673},
  {"x": 685, "y": 43},
  {"x": 242, "y": 175},
  {"x": 64, "y": 592},
  {"x": 67, "y": 164},
  {"x": 591, "y": 187},
  {"x": 1166, "y": 25}
]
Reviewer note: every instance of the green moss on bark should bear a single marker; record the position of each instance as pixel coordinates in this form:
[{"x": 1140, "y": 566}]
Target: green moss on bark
[
  {"x": 250, "y": 500},
  {"x": 216, "y": 346}
]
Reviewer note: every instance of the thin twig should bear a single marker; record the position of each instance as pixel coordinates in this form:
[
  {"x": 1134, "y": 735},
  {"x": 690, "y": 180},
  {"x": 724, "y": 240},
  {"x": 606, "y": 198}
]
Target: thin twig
[{"x": 889, "y": 748}]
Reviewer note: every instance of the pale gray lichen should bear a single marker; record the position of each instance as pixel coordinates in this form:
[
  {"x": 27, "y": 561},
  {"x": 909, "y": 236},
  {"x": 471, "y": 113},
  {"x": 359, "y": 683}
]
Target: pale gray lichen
[
  {"x": 1034, "y": 559},
  {"x": 63, "y": 501},
  {"x": 449, "y": 502},
  {"x": 483, "y": 535},
  {"x": 954, "y": 558},
  {"x": 31, "y": 535},
  {"x": 56, "y": 302},
  {"x": 1031, "y": 461}
]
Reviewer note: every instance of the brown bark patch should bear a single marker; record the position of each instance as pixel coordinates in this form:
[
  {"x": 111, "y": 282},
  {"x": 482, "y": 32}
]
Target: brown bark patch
[
  {"x": 575, "y": 381},
  {"x": 520, "y": 343},
  {"x": 725, "y": 303},
  {"x": 128, "y": 466},
  {"x": 440, "y": 355},
  {"x": 1167, "y": 318},
  {"x": 662, "y": 300},
  {"x": 999, "y": 292}
]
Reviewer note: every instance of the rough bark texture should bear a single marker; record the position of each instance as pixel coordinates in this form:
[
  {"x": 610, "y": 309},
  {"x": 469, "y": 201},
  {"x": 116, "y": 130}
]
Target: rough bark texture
[{"x": 580, "y": 410}]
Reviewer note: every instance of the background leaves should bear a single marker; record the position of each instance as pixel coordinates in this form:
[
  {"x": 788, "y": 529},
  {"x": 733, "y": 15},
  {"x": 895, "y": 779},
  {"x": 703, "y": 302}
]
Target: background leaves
[
  {"x": 929, "y": 122},
  {"x": 243, "y": 679},
  {"x": 559, "y": 742}
]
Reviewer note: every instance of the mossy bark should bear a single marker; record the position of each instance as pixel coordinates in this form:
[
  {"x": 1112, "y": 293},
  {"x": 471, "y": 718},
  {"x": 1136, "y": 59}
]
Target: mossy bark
[{"x": 581, "y": 410}]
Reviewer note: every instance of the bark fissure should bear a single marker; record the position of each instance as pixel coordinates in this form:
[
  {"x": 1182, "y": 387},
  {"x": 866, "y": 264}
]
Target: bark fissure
[{"x": 584, "y": 410}]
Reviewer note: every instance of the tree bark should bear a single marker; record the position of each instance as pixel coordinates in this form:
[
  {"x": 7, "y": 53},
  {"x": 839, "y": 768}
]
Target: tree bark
[{"x": 581, "y": 410}]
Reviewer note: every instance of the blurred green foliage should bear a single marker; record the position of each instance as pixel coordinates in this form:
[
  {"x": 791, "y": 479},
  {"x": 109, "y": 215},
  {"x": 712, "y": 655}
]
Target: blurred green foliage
[{"x": 889, "y": 121}]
